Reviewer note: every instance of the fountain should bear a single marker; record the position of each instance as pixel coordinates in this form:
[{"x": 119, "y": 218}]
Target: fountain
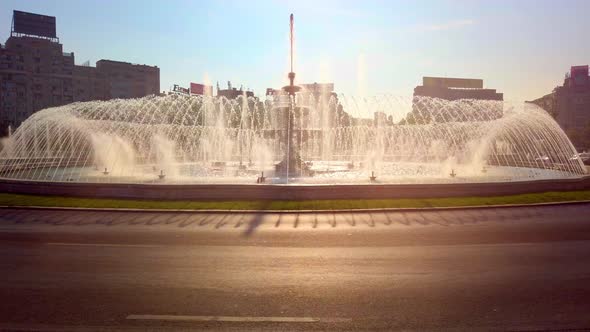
[
  {"x": 294, "y": 137},
  {"x": 261, "y": 178},
  {"x": 181, "y": 134},
  {"x": 291, "y": 165},
  {"x": 373, "y": 178}
]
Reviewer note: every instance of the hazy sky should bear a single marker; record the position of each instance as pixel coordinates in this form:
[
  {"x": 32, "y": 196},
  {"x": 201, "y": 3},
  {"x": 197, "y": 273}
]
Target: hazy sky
[{"x": 522, "y": 48}]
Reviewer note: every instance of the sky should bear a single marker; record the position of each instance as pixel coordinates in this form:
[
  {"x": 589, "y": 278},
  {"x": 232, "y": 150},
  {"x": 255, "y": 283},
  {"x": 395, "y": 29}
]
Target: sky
[{"x": 521, "y": 48}]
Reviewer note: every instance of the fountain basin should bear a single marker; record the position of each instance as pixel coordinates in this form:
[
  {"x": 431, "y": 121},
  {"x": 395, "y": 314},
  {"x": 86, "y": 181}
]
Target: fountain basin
[{"x": 222, "y": 192}]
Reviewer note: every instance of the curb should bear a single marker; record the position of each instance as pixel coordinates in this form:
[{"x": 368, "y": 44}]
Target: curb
[{"x": 424, "y": 209}]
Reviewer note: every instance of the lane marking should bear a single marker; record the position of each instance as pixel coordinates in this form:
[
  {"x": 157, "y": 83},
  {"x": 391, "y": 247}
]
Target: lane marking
[
  {"x": 102, "y": 245},
  {"x": 256, "y": 319}
]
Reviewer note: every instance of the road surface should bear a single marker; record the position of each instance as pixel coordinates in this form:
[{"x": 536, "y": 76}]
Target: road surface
[{"x": 523, "y": 269}]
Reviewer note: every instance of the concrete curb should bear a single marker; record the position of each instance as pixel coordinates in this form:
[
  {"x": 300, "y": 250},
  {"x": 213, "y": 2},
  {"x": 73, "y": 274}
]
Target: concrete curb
[{"x": 425, "y": 209}]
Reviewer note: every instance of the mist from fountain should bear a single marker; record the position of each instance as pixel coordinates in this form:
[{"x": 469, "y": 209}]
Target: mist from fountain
[{"x": 204, "y": 139}]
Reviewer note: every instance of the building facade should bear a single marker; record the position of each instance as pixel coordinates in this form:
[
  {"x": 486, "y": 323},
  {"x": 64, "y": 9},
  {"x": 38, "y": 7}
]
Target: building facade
[
  {"x": 569, "y": 104},
  {"x": 316, "y": 90},
  {"x": 460, "y": 91},
  {"x": 232, "y": 92},
  {"x": 201, "y": 89},
  {"x": 455, "y": 88},
  {"x": 35, "y": 73},
  {"x": 89, "y": 84},
  {"x": 548, "y": 103},
  {"x": 572, "y": 100},
  {"x": 127, "y": 80}
]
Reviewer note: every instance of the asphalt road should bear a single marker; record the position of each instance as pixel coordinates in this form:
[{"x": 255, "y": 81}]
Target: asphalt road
[{"x": 524, "y": 269}]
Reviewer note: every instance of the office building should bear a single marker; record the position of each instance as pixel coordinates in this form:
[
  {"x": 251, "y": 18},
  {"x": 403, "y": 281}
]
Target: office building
[
  {"x": 127, "y": 80},
  {"x": 35, "y": 73},
  {"x": 201, "y": 89},
  {"x": 455, "y": 88},
  {"x": 569, "y": 104},
  {"x": 572, "y": 100}
]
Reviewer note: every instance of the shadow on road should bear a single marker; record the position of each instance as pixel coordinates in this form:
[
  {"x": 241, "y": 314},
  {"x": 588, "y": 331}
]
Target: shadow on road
[{"x": 256, "y": 220}]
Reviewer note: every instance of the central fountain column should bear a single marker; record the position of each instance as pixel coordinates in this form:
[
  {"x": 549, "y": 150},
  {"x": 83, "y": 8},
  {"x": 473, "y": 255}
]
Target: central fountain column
[{"x": 292, "y": 165}]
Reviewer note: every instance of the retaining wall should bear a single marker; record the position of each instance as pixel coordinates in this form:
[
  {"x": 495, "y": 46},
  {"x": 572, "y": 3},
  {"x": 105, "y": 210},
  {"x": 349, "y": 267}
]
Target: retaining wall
[{"x": 286, "y": 192}]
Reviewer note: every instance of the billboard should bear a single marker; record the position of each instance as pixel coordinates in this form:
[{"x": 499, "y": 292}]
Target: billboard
[
  {"x": 178, "y": 89},
  {"x": 201, "y": 89},
  {"x": 33, "y": 24}
]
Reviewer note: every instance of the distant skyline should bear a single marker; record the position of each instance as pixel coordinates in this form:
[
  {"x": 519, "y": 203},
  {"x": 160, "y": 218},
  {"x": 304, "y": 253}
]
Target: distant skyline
[{"x": 520, "y": 48}]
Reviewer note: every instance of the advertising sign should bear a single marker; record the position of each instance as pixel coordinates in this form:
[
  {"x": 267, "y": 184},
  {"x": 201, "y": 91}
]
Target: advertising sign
[
  {"x": 33, "y": 24},
  {"x": 178, "y": 89}
]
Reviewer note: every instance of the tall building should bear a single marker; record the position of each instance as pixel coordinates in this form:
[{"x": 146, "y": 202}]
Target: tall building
[
  {"x": 572, "y": 100},
  {"x": 35, "y": 73},
  {"x": 455, "y": 88},
  {"x": 569, "y": 104},
  {"x": 127, "y": 80}
]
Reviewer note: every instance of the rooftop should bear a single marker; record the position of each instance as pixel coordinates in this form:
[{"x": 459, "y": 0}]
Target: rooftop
[{"x": 124, "y": 63}]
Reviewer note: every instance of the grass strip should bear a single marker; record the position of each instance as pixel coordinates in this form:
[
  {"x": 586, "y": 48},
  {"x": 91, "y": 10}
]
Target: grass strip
[{"x": 56, "y": 201}]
